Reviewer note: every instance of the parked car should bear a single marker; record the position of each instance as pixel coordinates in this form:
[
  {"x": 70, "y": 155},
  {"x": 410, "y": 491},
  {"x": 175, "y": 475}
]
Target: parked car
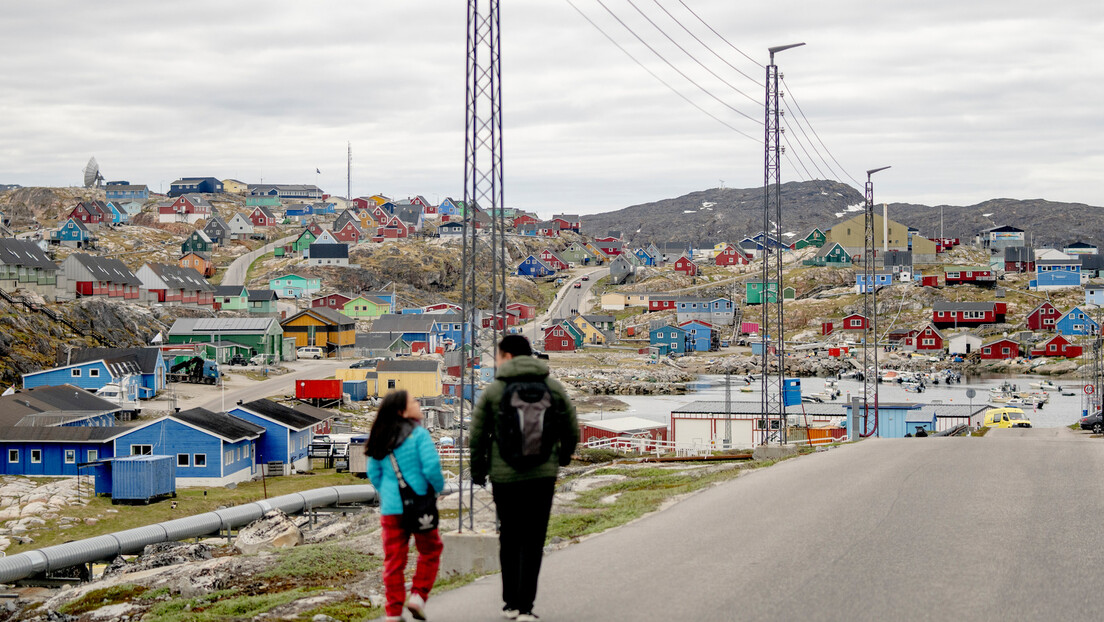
[
  {"x": 309, "y": 352},
  {"x": 1094, "y": 423},
  {"x": 238, "y": 359},
  {"x": 263, "y": 359},
  {"x": 586, "y": 277},
  {"x": 577, "y": 285},
  {"x": 365, "y": 364}
]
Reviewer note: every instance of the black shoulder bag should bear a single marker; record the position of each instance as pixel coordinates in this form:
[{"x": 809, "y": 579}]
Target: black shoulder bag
[{"x": 419, "y": 511}]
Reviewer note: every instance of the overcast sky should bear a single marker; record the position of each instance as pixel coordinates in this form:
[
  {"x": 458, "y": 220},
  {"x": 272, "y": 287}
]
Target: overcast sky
[{"x": 967, "y": 101}]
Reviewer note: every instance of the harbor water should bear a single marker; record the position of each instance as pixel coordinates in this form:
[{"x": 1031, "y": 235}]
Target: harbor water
[{"x": 1060, "y": 410}]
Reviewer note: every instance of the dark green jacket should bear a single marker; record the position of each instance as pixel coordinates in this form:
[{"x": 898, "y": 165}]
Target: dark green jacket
[{"x": 485, "y": 457}]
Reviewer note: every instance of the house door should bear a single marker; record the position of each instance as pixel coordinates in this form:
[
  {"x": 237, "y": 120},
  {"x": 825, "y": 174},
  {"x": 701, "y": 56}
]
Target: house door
[{"x": 967, "y": 348}]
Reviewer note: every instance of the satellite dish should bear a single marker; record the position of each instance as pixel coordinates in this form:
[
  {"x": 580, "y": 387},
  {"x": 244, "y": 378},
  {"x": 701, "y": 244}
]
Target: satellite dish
[{"x": 92, "y": 176}]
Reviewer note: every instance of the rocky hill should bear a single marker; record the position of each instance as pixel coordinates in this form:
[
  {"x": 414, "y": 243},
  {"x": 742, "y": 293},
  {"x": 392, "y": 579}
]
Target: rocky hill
[{"x": 729, "y": 214}]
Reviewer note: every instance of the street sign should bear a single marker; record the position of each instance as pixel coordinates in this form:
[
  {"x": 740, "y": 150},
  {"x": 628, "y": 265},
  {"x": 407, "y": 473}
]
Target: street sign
[
  {"x": 970, "y": 393},
  {"x": 1089, "y": 389}
]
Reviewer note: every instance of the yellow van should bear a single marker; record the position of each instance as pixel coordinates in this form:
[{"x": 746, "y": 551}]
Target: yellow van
[{"x": 1006, "y": 418}]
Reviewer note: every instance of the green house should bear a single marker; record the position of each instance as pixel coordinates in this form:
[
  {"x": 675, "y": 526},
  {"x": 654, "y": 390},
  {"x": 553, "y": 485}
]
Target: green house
[
  {"x": 303, "y": 242},
  {"x": 232, "y": 297},
  {"x": 260, "y": 335},
  {"x": 262, "y": 301},
  {"x": 197, "y": 241},
  {"x": 366, "y": 307},
  {"x": 262, "y": 201},
  {"x": 830, "y": 255},
  {"x": 815, "y": 238},
  {"x": 295, "y": 285},
  {"x": 575, "y": 333},
  {"x": 577, "y": 254},
  {"x": 753, "y": 292}
]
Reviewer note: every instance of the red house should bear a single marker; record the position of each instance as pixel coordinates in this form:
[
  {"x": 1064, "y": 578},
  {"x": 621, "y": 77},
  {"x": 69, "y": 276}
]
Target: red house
[
  {"x": 553, "y": 260},
  {"x": 966, "y": 314},
  {"x": 262, "y": 217},
  {"x": 1057, "y": 346},
  {"x": 855, "y": 321},
  {"x": 1043, "y": 317},
  {"x": 557, "y": 339},
  {"x": 686, "y": 266},
  {"x": 1000, "y": 349},
  {"x": 364, "y": 203},
  {"x": 315, "y": 229},
  {"x": 961, "y": 275},
  {"x": 731, "y": 256},
  {"x": 631, "y": 432},
  {"x": 88, "y": 213},
  {"x": 350, "y": 233},
  {"x": 443, "y": 307},
  {"x": 927, "y": 340},
  {"x": 610, "y": 246},
  {"x": 524, "y": 311},
  {"x": 186, "y": 208},
  {"x": 391, "y": 228},
  {"x": 333, "y": 301},
  {"x": 524, "y": 219},
  {"x": 660, "y": 302},
  {"x": 569, "y": 222},
  {"x": 929, "y": 280}
]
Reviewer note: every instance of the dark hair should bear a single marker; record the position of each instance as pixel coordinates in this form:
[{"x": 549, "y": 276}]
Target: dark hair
[
  {"x": 385, "y": 429},
  {"x": 515, "y": 345}
]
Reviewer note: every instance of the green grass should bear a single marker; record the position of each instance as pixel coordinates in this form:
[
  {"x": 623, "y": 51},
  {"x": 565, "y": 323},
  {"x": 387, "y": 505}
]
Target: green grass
[
  {"x": 321, "y": 563},
  {"x": 102, "y": 598},
  {"x": 190, "y": 501},
  {"x": 350, "y": 610},
  {"x": 220, "y": 606},
  {"x": 980, "y": 432}
]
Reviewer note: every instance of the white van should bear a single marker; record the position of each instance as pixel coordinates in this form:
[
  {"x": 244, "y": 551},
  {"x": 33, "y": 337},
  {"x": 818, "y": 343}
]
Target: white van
[{"x": 309, "y": 352}]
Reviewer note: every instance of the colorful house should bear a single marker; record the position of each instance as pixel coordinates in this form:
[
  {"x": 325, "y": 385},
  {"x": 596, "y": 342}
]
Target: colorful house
[
  {"x": 700, "y": 336},
  {"x": 1019, "y": 259},
  {"x": 753, "y": 292},
  {"x": 855, "y": 321},
  {"x": 1056, "y": 274},
  {"x": 929, "y": 340},
  {"x": 288, "y": 432},
  {"x": 1076, "y": 321},
  {"x": 187, "y": 208},
  {"x": 966, "y": 314},
  {"x": 969, "y": 275},
  {"x": 669, "y": 340},
  {"x": 366, "y": 307},
  {"x": 173, "y": 285},
  {"x": 240, "y": 227},
  {"x": 1000, "y": 349},
  {"x": 349, "y": 233},
  {"x": 303, "y": 242},
  {"x": 122, "y": 191},
  {"x": 881, "y": 279},
  {"x": 260, "y": 335},
  {"x": 686, "y": 266},
  {"x": 419, "y": 378},
  {"x": 262, "y": 301},
  {"x": 558, "y": 339},
  {"x": 577, "y": 253},
  {"x": 713, "y": 311},
  {"x": 198, "y": 261},
  {"x": 592, "y": 332},
  {"x": 321, "y": 254},
  {"x": 89, "y": 213},
  {"x": 262, "y": 216},
  {"x": 73, "y": 232},
  {"x": 731, "y": 256},
  {"x": 534, "y": 266},
  {"x": 141, "y": 371},
  {"x": 88, "y": 275},
  {"x": 1057, "y": 346},
  {"x": 25, "y": 265},
  {"x": 553, "y": 260},
  {"x": 232, "y": 297},
  {"x": 318, "y": 326},
  {"x": 185, "y": 185},
  {"x": 218, "y": 230},
  {"x": 568, "y": 222},
  {"x": 815, "y": 238},
  {"x": 198, "y": 240},
  {"x": 830, "y": 255},
  {"x": 645, "y": 258},
  {"x": 1094, "y": 295},
  {"x": 295, "y": 285},
  {"x": 1043, "y": 317}
]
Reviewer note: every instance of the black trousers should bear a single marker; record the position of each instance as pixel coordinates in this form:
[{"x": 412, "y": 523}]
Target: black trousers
[{"x": 523, "y": 511}]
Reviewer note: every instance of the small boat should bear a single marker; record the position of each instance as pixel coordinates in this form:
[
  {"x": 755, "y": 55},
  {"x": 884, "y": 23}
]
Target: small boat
[
  {"x": 746, "y": 389},
  {"x": 1066, "y": 391},
  {"x": 1000, "y": 398},
  {"x": 1045, "y": 385},
  {"x": 114, "y": 394},
  {"x": 912, "y": 386},
  {"x": 1015, "y": 402}
]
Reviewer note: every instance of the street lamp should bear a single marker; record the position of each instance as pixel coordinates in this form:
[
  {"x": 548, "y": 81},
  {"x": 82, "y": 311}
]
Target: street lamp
[{"x": 870, "y": 310}]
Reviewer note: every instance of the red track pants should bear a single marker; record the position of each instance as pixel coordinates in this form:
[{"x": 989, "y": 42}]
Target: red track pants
[{"x": 396, "y": 544}]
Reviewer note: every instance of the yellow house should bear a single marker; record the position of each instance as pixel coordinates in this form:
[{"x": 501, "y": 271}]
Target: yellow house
[
  {"x": 637, "y": 299},
  {"x": 420, "y": 378},
  {"x": 613, "y": 301},
  {"x": 233, "y": 186},
  {"x": 380, "y": 199},
  {"x": 888, "y": 234},
  {"x": 717, "y": 248},
  {"x": 591, "y": 333},
  {"x": 367, "y": 223},
  {"x": 598, "y": 254},
  {"x": 322, "y": 327}
]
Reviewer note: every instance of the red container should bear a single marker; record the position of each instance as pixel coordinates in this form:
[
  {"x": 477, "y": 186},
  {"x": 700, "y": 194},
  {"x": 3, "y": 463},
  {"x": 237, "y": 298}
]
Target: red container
[
  {"x": 318, "y": 389},
  {"x": 833, "y": 352},
  {"x": 631, "y": 331}
]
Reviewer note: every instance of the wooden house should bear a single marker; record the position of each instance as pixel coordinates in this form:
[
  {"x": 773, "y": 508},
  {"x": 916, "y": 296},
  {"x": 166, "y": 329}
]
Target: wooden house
[
  {"x": 1057, "y": 345},
  {"x": 686, "y": 266},
  {"x": 1043, "y": 317},
  {"x": 966, "y": 314},
  {"x": 319, "y": 326},
  {"x": 198, "y": 261},
  {"x": 730, "y": 256},
  {"x": 1003, "y": 348}
]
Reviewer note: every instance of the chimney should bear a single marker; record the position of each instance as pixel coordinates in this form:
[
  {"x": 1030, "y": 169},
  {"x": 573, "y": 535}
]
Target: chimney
[{"x": 885, "y": 228}]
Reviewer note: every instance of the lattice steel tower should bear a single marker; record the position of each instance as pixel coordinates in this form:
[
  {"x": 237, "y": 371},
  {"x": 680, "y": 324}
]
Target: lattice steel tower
[
  {"x": 870, "y": 314},
  {"x": 484, "y": 242},
  {"x": 771, "y": 331}
]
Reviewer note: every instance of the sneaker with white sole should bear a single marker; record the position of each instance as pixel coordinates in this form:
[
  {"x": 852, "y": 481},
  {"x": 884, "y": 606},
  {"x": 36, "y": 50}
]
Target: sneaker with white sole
[
  {"x": 416, "y": 606},
  {"x": 528, "y": 617},
  {"x": 510, "y": 614}
]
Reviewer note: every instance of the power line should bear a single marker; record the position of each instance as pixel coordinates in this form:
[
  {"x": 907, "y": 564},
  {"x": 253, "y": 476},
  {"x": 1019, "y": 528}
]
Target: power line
[
  {"x": 692, "y": 57},
  {"x": 794, "y": 167},
  {"x": 676, "y": 69},
  {"x": 661, "y": 80},
  {"x": 706, "y": 46},
  {"x": 720, "y": 35},
  {"x": 813, "y": 130},
  {"x": 799, "y": 161},
  {"x": 801, "y": 128},
  {"x": 786, "y": 137}
]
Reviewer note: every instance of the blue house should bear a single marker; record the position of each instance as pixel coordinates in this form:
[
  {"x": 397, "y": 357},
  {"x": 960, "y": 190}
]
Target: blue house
[
  {"x": 895, "y": 420},
  {"x": 411, "y": 328},
  {"x": 449, "y": 207},
  {"x": 645, "y": 257},
  {"x": 298, "y": 211},
  {"x": 699, "y": 335},
  {"x": 669, "y": 340},
  {"x": 450, "y": 327},
  {"x": 288, "y": 431},
  {"x": 211, "y": 449},
  {"x": 1076, "y": 322},
  {"x": 1056, "y": 274},
  {"x": 118, "y": 214},
  {"x": 149, "y": 361},
  {"x": 50, "y": 430},
  {"x": 72, "y": 230},
  {"x": 120, "y": 190},
  {"x": 193, "y": 185},
  {"x": 881, "y": 279},
  {"x": 534, "y": 266},
  {"x": 1094, "y": 295}
]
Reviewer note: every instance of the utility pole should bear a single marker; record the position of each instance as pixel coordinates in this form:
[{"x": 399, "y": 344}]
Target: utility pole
[
  {"x": 870, "y": 311},
  {"x": 349, "y": 174},
  {"x": 771, "y": 330},
  {"x": 483, "y": 192}
]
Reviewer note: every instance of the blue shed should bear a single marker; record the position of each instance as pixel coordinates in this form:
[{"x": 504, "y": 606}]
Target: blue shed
[
  {"x": 1076, "y": 322},
  {"x": 791, "y": 391},
  {"x": 669, "y": 340},
  {"x": 534, "y": 266},
  {"x": 140, "y": 478},
  {"x": 356, "y": 389},
  {"x": 288, "y": 432},
  {"x": 699, "y": 335},
  {"x": 895, "y": 420}
]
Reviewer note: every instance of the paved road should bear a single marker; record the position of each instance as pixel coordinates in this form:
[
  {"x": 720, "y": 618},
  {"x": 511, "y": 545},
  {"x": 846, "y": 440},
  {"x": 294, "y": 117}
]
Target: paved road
[
  {"x": 1004, "y": 527},
  {"x": 212, "y": 398},
  {"x": 566, "y": 299},
  {"x": 239, "y": 268}
]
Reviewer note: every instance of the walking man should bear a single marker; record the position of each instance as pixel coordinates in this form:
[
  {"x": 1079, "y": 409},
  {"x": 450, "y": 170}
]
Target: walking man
[{"x": 523, "y": 430}]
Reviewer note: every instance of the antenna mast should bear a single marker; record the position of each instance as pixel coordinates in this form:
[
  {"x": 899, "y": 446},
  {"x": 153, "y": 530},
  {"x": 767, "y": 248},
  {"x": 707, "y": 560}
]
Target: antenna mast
[{"x": 349, "y": 174}]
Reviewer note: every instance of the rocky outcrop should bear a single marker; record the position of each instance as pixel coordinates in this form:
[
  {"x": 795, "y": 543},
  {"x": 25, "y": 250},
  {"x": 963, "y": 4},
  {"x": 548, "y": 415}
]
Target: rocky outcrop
[
  {"x": 159, "y": 555},
  {"x": 275, "y": 530}
]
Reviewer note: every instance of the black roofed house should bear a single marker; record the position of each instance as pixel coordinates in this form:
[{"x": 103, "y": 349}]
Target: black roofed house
[
  {"x": 176, "y": 285},
  {"x": 288, "y": 432},
  {"x": 1019, "y": 259},
  {"x": 185, "y": 185},
  {"x": 24, "y": 265},
  {"x": 262, "y": 301},
  {"x": 412, "y": 215},
  {"x": 217, "y": 229},
  {"x": 147, "y": 363},
  {"x": 198, "y": 240},
  {"x": 240, "y": 227},
  {"x": 88, "y": 275},
  {"x": 328, "y": 254},
  {"x": 380, "y": 345}
]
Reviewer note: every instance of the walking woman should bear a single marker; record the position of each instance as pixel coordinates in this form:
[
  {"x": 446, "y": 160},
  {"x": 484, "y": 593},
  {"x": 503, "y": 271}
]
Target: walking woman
[{"x": 398, "y": 430}]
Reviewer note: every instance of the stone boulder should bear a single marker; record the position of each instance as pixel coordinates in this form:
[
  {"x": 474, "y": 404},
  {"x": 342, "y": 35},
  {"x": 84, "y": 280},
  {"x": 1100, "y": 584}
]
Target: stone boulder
[
  {"x": 159, "y": 555},
  {"x": 275, "y": 530}
]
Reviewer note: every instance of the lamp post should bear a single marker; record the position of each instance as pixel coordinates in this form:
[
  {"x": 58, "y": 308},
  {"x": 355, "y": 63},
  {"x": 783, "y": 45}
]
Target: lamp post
[{"x": 870, "y": 310}]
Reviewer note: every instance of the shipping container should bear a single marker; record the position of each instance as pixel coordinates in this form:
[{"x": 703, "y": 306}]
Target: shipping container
[
  {"x": 357, "y": 390},
  {"x": 318, "y": 389},
  {"x": 142, "y": 478},
  {"x": 749, "y": 328},
  {"x": 358, "y": 460}
]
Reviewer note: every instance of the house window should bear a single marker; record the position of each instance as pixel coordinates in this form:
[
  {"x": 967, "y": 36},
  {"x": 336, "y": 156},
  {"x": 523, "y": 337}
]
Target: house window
[
  {"x": 141, "y": 450},
  {"x": 70, "y": 456},
  {"x": 1053, "y": 348},
  {"x": 928, "y": 342},
  {"x": 93, "y": 455},
  {"x": 36, "y": 456},
  {"x": 199, "y": 460},
  {"x": 182, "y": 460},
  {"x": 13, "y": 455},
  {"x": 76, "y": 373},
  {"x": 1006, "y": 350},
  {"x": 93, "y": 373},
  {"x": 228, "y": 457},
  {"x": 390, "y": 384},
  {"x": 990, "y": 350}
]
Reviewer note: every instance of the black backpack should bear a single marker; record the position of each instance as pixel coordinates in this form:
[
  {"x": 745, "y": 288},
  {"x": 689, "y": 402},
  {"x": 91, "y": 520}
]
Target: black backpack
[{"x": 530, "y": 421}]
